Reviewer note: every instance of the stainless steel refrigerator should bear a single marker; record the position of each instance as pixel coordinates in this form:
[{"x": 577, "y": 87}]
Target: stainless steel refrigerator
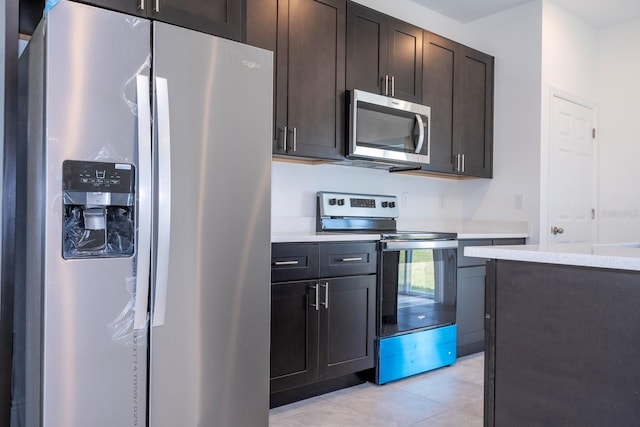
[{"x": 147, "y": 225}]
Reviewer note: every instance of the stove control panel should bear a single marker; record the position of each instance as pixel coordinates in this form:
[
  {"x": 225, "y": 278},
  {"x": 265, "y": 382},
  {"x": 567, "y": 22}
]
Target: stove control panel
[{"x": 339, "y": 205}]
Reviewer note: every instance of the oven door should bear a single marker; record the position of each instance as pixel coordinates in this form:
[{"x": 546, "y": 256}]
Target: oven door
[
  {"x": 383, "y": 128},
  {"x": 417, "y": 286}
]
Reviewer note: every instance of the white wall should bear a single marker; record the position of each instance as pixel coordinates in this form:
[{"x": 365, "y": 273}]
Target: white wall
[
  {"x": 294, "y": 189},
  {"x": 513, "y": 37},
  {"x": 619, "y": 132},
  {"x": 569, "y": 59}
]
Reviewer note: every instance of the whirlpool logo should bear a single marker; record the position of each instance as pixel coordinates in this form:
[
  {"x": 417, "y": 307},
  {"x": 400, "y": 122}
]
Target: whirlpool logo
[{"x": 251, "y": 65}]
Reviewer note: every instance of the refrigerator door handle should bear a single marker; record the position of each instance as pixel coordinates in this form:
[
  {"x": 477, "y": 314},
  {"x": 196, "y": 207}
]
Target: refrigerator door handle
[
  {"x": 141, "y": 294},
  {"x": 164, "y": 202}
]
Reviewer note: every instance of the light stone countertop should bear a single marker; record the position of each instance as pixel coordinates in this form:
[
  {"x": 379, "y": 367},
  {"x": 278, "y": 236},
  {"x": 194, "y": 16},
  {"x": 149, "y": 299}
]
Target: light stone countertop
[
  {"x": 623, "y": 256},
  {"x": 491, "y": 235},
  {"x": 321, "y": 237},
  {"x": 302, "y": 229}
]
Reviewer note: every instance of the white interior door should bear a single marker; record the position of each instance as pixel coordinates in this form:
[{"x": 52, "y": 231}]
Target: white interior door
[{"x": 571, "y": 189}]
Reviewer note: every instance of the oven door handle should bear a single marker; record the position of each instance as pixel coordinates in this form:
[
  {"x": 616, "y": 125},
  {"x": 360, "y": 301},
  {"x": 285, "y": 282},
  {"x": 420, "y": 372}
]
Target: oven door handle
[{"x": 419, "y": 244}]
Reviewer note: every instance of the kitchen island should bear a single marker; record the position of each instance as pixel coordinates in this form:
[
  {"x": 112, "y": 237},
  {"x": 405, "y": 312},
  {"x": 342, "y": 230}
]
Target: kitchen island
[{"x": 563, "y": 335}]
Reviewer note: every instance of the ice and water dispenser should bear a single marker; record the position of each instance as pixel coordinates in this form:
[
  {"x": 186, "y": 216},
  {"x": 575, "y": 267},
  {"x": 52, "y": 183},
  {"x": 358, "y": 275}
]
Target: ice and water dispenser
[{"x": 99, "y": 217}]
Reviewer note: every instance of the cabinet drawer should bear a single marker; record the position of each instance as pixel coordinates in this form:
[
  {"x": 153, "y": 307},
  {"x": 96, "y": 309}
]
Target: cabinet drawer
[
  {"x": 464, "y": 261},
  {"x": 497, "y": 242},
  {"x": 291, "y": 261},
  {"x": 348, "y": 259}
]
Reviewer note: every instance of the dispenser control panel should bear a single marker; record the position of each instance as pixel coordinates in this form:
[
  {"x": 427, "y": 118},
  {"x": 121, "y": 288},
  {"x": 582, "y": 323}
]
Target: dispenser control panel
[{"x": 85, "y": 176}]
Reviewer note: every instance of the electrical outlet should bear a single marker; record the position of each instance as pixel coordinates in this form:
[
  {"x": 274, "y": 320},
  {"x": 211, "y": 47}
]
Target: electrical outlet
[{"x": 518, "y": 202}]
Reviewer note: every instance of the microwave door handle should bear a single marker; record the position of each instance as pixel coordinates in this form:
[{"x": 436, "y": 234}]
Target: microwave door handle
[{"x": 421, "y": 135}]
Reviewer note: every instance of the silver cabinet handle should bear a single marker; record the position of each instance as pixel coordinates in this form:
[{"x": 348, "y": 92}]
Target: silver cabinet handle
[
  {"x": 557, "y": 230},
  {"x": 164, "y": 202},
  {"x": 393, "y": 85},
  {"x": 317, "y": 290},
  {"x": 457, "y": 166},
  {"x": 294, "y": 262},
  {"x": 351, "y": 259},
  {"x": 141, "y": 4},
  {"x": 295, "y": 139},
  {"x": 462, "y": 163},
  {"x": 386, "y": 85},
  {"x": 143, "y": 253},
  {"x": 326, "y": 295},
  {"x": 421, "y": 135},
  {"x": 157, "y": 6},
  {"x": 285, "y": 131}
]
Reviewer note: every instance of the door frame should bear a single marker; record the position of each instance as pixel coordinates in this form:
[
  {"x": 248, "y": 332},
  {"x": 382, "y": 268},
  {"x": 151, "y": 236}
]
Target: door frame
[{"x": 546, "y": 162}]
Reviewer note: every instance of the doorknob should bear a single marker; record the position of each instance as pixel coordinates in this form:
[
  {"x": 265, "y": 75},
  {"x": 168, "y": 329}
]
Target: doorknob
[{"x": 557, "y": 230}]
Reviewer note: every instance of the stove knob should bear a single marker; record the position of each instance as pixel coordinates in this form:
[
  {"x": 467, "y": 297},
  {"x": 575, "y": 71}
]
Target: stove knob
[
  {"x": 340, "y": 202},
  {"x": 392, "y": 204},
  {"x": 385, "y": 204},
  {"x": 332, "y": 202}
]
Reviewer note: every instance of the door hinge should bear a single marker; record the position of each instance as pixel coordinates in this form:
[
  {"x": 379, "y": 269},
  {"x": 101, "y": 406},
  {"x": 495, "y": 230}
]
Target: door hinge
[{"x": 593, "y": 133}]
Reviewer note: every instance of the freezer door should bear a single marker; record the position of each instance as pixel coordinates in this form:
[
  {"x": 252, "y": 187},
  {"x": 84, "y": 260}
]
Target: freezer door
[
  {"x": 210, "y": 343},
  {"x": 86, "y": 365}
]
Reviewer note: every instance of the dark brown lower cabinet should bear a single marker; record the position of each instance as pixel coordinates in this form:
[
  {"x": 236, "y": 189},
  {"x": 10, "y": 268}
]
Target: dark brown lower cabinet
[
  {"x": 294, "y": 335},
  {"x": 471, "y": 291},
  {"x": 323, "y": 301},
  {"x": 321, "y": 329}
]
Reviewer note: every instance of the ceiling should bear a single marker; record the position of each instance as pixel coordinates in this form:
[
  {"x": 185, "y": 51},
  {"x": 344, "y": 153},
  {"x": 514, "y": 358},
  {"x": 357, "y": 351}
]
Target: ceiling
[{"x": 598, "y": 13}]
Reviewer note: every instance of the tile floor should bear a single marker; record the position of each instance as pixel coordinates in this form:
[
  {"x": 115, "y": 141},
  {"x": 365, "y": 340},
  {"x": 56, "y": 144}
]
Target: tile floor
[{"x": 450, "y": 396}]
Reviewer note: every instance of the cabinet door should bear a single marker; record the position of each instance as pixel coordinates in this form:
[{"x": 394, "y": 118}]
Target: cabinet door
[
  {"x": 347, "y": 325},
  {"x": 366, "y": 49},
  {"x": 224, "y": 18},
  {"x": 381, "y": 47},
  {"x": 316, "y": 110},
  {"x": 438, "y": 89},
  {"x": 404, "y": 64},
  {"x": 470, "y": 310},
  {"x": 474, "y": 112},
  {"x": 262, "y": 31},
  {"x": 294, "y": 335},
  {"x": 131, "y": 7}
]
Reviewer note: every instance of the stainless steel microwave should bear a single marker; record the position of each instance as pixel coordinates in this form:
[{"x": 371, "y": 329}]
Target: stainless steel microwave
[{"x": 388, "y": 130}]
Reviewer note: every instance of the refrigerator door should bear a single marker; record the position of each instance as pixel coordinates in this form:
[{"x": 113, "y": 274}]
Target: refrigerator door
[
  {"x": 210, "y": 344},
  {"x": 86, "y": 365}
]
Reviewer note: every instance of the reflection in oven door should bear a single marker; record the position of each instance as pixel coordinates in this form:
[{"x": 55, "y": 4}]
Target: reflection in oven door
[
  {"x": 418, "y": 290},
  {"x": 416, "y": 308}
]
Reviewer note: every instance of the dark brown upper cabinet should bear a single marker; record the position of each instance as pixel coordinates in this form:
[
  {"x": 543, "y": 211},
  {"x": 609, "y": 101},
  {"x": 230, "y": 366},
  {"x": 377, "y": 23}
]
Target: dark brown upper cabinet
[
  {"x": 458, "y": 86},
  {"x": 474, "y": 113},
  {"x": 224, "y": 18},
  {"x": 384, "y": 54},
  {"x": 308, "y": 37},
  {"x": 438, "y": 90}
]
